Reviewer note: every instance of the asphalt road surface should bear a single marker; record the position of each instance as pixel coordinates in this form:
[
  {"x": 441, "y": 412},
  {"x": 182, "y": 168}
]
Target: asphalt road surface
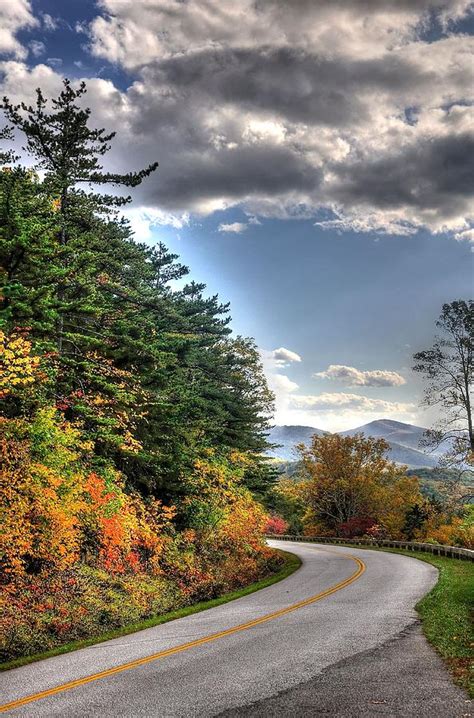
[{"x": 339, "y": 637}]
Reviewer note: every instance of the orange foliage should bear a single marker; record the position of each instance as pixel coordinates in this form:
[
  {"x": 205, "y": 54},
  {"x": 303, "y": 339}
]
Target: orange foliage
[
  {"x": 69, "y": 526},
  {"x": 55, "y": 512}
]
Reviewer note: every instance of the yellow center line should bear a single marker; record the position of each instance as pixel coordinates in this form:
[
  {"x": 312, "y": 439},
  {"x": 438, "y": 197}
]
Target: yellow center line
[{"x": 192, "y": 644}]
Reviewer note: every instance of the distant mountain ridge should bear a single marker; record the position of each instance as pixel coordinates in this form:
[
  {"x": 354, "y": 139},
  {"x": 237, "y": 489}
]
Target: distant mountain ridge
[{"x": 404, "y": 440}]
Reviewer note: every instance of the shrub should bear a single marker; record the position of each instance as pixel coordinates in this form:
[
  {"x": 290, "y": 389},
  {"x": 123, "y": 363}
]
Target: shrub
[{"x": 276, "y": 525}]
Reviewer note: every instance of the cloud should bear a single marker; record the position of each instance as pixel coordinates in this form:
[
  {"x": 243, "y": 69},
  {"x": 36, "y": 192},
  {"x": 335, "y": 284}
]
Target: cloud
[
  {"x": 286, "y": 109},
  {"x": 15, "y": 15},
  {"x": 132, "y": 32},
  {"x": 432, "y": 179},
  {"x": 50, "y": 23},
  {"x": 235, "y": 227},
  {"x": 54, "y": 61},
  {"x": 284, "y": 356},
  {"x": 329, "y": 411},
  {"x": 350, "y": 376},
  {"x": 81, "y": 27},
  {"x": 144, "y": 219},
  {"x": 289, "y": 111},
  {"x": 340, "y": 401},
  {"x": 281, "y": 383},
  {"x": 37, "y": 48},
  {"x": 466, "y": 235}
]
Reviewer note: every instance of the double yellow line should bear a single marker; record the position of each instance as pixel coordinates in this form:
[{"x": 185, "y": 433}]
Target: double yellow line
[{"x": 186, "y": 646}]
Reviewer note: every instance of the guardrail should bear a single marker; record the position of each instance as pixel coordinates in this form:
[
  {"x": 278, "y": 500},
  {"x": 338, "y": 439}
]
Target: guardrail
[{"x": 436, "y": 549}]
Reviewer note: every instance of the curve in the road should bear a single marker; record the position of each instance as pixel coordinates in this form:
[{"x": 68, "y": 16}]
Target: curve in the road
[{"x": 191, "y": 644}]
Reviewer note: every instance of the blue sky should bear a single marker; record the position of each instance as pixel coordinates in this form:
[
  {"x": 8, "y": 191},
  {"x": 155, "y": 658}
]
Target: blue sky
[{"x": 314, "y": 169}]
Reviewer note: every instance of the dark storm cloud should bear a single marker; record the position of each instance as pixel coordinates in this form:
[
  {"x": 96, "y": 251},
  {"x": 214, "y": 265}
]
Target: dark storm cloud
[
  {"x": 231, "y": 174},
  {"x": 286, "y": 107},
  {"x": 291, "y": 82},
  {"x": 436, "y": 174}
]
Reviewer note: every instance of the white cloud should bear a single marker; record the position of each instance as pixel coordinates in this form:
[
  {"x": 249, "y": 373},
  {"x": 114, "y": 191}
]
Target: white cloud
[
  {"x": 131, "y": 32},
  {"x": 285, "y": 356},
  {"x": 331, "y": 401},
  {"x": 329, "y": 411},
  {"x": 20, "y": 82},
  {"x": 50, "y": 23},
  {"x": 465, "y": 235},
  {"x": 340, "y": 411},
  {"x": 234, "y": 228},
  {"x": 350, "y": 376},
  {"x": 15, "y": 15},
  {"x": 37, "y": 48},
  {"x": 54, "y": 61},
  {"x": 81, "y": 28},
  {"x": 279, "y": 383},
  {"x": 377, "y": 222},
  {"x": 144, "y": 219}
]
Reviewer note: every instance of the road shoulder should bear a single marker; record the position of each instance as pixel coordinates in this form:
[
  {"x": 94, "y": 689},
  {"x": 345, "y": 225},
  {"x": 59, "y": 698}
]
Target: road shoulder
[{"x": 402, "y": 677}]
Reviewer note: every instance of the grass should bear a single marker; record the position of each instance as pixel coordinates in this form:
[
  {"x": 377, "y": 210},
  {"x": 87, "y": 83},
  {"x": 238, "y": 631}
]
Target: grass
[{"x": 291, "y": 564}]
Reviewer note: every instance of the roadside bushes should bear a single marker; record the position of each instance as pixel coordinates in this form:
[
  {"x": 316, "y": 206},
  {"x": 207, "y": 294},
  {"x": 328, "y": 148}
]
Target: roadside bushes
[
  {"x": 81, "y": 555},
  {"x": 55, "y": 510},
  {"x": 276, "y": 525},
  {"x": 44, "y": 611}
]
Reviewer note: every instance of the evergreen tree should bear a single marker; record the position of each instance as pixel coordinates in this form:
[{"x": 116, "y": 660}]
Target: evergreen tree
[{"x": 69, "y": 152}]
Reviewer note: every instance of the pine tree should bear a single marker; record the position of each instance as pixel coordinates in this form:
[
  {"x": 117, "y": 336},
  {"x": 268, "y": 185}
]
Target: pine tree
[{"x": 69, "y": 152}]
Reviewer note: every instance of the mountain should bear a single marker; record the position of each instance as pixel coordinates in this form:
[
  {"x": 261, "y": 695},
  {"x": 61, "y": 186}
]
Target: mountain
[
  {"x": 404, "y": 440},
  {"x": 288, "y": 437},
  {"x": 393, "y": 431}
]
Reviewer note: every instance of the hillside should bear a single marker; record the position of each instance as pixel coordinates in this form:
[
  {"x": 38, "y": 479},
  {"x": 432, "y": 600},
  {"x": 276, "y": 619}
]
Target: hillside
[
  {"x": 287, "y": 438},
  {"x": 404, "y": 440}
]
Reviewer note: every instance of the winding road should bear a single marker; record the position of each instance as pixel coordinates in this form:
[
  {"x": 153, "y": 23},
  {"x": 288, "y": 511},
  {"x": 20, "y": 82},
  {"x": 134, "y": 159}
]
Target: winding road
[{"x": 339, "y": 637}]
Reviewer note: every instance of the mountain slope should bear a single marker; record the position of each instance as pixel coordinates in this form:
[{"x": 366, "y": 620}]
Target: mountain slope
[
  {"x": 288, "y": 437},
  {"x": 392, "y": 431},
  {"x": 404, "y": 440}
]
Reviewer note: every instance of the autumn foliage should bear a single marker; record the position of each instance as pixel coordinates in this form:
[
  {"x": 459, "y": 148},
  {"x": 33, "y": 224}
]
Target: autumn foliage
[
  {"x": 276, "y": 525},
  {"x": 347, "y": 487},
  {"x": 68, "y": 524}
]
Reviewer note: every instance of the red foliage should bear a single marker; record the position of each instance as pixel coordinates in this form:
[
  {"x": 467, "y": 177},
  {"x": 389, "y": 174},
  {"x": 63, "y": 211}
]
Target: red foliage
[
  {"x": 276, "y": 525},
  {"x": 355, "y": 527}
]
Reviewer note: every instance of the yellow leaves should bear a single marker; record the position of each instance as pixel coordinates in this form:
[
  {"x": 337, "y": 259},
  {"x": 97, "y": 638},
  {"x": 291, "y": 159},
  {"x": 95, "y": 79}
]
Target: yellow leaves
[
  {"x": 52, "y": 509},
  {"x": 99, "y": 400},
  {"x": 349, "y": 483},
  {"x": 56, "y": 204},
  {"x": 18, "y": 367},
  {"x": 130, "y": 444}
]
